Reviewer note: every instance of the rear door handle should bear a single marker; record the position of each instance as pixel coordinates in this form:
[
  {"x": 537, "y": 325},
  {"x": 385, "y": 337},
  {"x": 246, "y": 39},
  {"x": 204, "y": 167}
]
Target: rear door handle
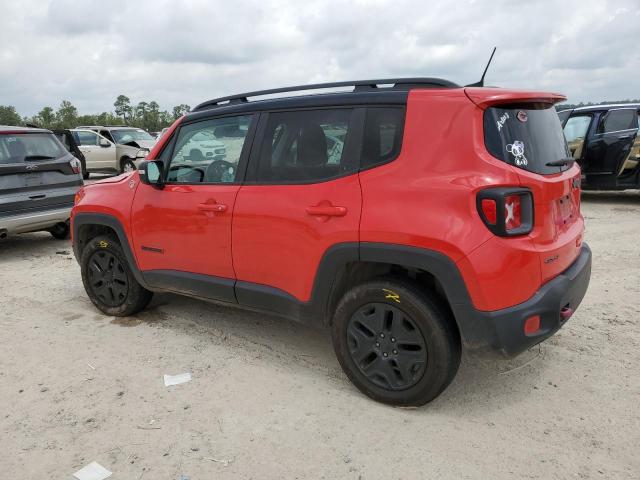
[
  {"x": 212, "y": 207},
  {"x": 327, "y": 211}
]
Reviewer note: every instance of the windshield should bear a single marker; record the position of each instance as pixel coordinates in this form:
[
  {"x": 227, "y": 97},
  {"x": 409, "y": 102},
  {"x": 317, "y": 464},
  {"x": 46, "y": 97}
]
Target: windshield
[
  {"x": 21, "y": 147},
  {"x": 132, "y": 135},
  {"x": 527, "y": 136}
]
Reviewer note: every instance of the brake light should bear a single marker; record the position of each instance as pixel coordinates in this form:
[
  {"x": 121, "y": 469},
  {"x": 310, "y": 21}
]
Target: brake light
[
  {"x": 506, "y": 211},
  {"x": 79, "y": 196},
  {"x": 76, "y": 166},
  {"x": 490, "y": 210}
]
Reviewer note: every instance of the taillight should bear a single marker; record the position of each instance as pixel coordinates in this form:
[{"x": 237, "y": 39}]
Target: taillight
[
  {"x": 76, "y": 166},
  {"x": 506, "y": 211},
  {"x": 79, "y": 196}
]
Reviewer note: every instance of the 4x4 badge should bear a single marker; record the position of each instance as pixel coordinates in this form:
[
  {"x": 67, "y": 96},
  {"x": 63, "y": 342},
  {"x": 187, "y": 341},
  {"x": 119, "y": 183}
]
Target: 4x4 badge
[{"x": 32, "y": 167}]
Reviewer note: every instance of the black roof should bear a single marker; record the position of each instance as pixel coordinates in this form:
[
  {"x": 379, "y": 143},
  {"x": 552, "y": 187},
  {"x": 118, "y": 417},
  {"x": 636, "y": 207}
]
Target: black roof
[{"x": 362, "y": 92}]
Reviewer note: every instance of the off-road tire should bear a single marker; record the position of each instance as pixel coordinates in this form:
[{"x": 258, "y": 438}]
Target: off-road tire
[
  {"x": 108, "y": 279},
  {"x": 431, "y": 322}
]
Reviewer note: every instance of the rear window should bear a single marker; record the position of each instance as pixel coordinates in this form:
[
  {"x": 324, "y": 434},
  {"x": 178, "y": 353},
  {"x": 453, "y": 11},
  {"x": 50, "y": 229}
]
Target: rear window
[
  {"x": 526, "y": 136},
  {"x": 27, "y": 147}
]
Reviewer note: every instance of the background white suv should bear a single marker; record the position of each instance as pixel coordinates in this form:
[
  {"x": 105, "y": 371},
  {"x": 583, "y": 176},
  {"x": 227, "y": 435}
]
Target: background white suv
[{"x": 112, "y": 149}]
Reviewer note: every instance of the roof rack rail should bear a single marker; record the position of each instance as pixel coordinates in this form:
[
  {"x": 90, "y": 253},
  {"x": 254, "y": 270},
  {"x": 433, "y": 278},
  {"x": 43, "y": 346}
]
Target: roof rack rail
[{"x": 359, "y": 85}]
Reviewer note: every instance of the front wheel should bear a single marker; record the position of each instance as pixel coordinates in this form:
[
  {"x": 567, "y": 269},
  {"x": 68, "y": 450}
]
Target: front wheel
[
  {"x": 127, "y": 165},
  {"x": 396, "y": 342},
  {"x": 108, "y": 279}
]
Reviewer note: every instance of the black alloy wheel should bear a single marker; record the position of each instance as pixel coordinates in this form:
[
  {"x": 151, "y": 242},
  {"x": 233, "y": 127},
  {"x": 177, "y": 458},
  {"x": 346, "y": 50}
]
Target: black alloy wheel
[
  {"x": 107, "y": 278},
  {"x": 387, "y": 346}
]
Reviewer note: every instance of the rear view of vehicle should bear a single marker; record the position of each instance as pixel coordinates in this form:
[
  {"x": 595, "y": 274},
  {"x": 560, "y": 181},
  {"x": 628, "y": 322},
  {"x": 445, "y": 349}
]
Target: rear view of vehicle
[
  {"x": 537, "y": 225},
  {"x": 38, "y": 181}
]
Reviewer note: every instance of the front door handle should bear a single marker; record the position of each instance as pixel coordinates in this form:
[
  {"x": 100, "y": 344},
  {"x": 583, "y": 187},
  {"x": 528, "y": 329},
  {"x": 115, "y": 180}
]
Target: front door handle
[
  {"x": 327, "y": 211},
  {"x": 212, "y": 207}
]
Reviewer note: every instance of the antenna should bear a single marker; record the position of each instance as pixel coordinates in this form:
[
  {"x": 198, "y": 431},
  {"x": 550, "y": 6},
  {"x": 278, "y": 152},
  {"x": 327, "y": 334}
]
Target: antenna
[{"x": 481, "y": 82}]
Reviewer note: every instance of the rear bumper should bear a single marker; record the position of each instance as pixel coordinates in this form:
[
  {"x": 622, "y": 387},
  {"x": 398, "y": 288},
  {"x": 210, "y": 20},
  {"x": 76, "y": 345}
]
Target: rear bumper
[
  {"x": 503, "y": 330},
  {"x": 31, "y": 222}
]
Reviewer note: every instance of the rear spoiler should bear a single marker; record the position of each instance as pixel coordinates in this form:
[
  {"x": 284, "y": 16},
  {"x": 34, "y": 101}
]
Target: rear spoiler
[{"x": 486, "y": 97}]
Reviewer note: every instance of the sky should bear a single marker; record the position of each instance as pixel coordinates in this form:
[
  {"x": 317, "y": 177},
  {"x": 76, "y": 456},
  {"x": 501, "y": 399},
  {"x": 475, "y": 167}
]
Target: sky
[{"x": 174, "y": 52}]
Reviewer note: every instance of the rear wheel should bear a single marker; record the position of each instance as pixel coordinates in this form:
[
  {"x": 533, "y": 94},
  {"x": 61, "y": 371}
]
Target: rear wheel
[
  {"x": 108, "y": 279},
  {"x": 396, "y": 342},
  {"x": 60, "y": 231}
]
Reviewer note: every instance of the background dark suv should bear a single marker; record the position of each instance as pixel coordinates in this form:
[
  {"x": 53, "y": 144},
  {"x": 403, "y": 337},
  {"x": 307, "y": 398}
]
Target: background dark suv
[
  {"x": 38, "y": 181},
  {"x": 603, "y": 139}
]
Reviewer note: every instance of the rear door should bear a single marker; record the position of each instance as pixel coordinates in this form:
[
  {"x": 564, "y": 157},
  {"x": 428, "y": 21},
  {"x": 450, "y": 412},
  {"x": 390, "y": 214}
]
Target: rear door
[
  {"x": 606, "y": 151},
  {"x": 301, "y": 197},
  {"x": 35, "y": 173}
]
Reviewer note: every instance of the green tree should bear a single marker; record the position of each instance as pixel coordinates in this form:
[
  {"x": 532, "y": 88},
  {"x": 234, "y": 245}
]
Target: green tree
[
  {"x": 180, "y": 110},
  {"x": 9, "y": 116},
  {"x": 67, "y": 115},
  {"x": 123, "y": 107},
  {"x": 153, "y": 116},
  {"x": 141, "y": 114},
  {"x": 46, "y": 117}
]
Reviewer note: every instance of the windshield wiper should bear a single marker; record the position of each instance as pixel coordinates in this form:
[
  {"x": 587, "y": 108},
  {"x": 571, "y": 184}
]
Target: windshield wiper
[
  {"x": 38, "y": 157},
  {"x": 562, "y": 162}
]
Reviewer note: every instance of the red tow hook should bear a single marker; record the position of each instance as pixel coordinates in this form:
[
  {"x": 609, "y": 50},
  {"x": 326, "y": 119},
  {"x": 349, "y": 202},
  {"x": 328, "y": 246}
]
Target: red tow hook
[{"x": 565, "y": 313}]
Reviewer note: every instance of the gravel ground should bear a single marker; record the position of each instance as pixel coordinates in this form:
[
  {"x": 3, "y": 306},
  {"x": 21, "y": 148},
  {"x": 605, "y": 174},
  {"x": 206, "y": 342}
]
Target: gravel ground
[{"x": 268, "y": 398}]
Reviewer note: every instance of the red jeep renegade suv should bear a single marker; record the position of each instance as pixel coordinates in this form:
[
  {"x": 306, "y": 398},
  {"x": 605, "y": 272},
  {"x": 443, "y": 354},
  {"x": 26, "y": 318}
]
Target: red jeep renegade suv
[{"x": 411, "y": 217}]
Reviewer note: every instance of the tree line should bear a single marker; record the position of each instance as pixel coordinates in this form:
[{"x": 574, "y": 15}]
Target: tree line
[{"x": 145, "y": 115}]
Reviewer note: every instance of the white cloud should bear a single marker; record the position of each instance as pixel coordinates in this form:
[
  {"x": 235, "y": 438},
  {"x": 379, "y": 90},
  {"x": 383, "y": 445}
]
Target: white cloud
[{"x": 186, "y": 52}]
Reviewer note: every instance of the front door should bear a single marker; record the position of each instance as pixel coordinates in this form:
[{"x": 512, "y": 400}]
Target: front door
[
  {"x": 301, "y": 197},
  {"x": 606, "y": 151},
  {"x": 97, "y": 157},
  {"x": 182, "y": 233}
]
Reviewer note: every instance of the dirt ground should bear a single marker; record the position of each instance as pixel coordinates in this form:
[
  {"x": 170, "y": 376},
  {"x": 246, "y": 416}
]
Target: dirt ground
[{"x": 268, "y": 398}]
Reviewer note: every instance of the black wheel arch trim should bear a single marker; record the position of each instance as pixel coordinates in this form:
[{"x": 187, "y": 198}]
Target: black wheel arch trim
[{"x": 105, "y": 220}]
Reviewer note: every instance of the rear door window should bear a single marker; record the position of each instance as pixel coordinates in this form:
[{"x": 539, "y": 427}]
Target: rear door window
[
  {"x": 618, "y": 120},
  {"x": 305, "y": 147},
  {"x": 29, "y": 147},
  {"x": 527, "y": 136}
]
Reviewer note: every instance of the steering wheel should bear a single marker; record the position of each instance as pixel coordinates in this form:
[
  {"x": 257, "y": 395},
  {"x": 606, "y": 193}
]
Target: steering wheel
[{"x": 217, "y": 169}]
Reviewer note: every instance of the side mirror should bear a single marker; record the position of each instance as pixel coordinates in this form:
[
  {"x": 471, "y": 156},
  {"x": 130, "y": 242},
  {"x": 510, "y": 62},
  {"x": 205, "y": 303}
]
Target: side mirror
[
  {"x": 104, "y": 143},
  {"x": 151, "y": 173}
]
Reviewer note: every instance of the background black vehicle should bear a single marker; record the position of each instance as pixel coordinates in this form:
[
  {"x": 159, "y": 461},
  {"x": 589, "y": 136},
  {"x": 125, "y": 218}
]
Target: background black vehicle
[
  {"x": 38, "y": 182},
  {"x": 68, "y": 140},
  {"x": 603, "y": 139}
]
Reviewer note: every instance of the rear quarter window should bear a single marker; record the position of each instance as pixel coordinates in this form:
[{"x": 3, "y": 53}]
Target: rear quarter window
[
  {"x": 527, "y": 136},
  {"x": 382, "y": 135}
]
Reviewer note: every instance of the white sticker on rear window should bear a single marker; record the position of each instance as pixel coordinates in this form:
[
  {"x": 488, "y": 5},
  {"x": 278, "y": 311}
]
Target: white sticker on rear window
[
  {"x": 517, "y": 150},
  {"x": 502, "y": 120}
]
